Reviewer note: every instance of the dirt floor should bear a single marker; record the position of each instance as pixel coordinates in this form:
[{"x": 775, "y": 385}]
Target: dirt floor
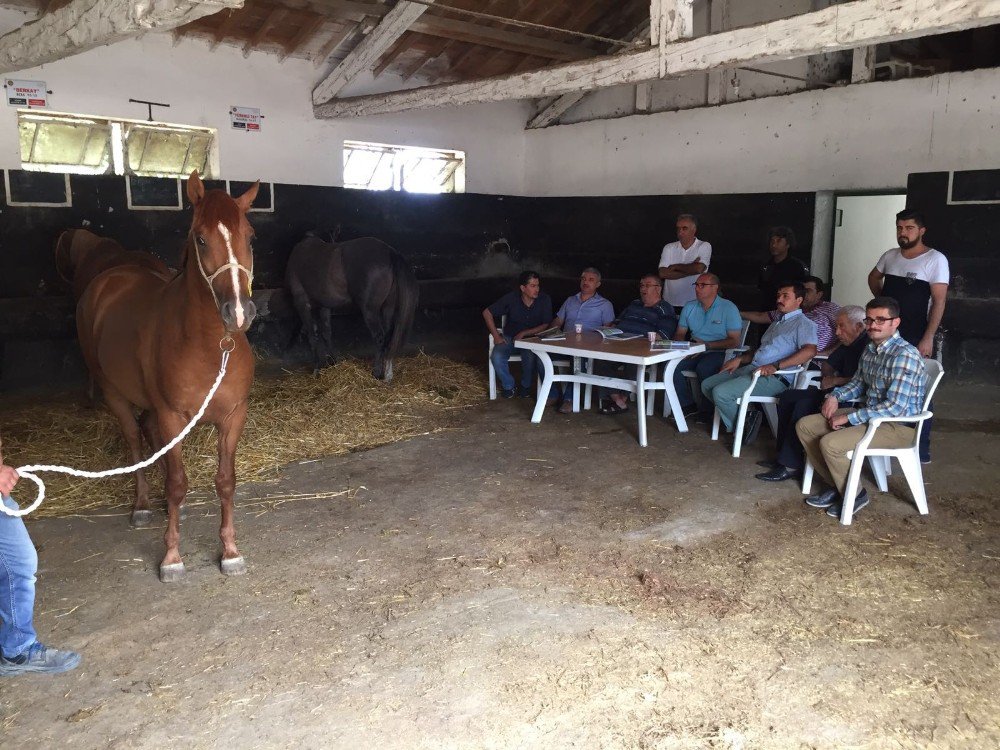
[{"x": 505, "y": 585}]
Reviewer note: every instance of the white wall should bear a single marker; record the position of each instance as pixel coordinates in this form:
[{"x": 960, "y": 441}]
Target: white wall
[
  {"x": 849, "y": 138},
  {"x": 293, "y": 145}
]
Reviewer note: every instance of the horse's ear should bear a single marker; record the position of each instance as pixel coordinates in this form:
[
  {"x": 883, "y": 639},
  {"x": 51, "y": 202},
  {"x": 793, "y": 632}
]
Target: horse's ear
[
  {"x": 195, "y": 188},
  {"x": 246, "y": 200}
]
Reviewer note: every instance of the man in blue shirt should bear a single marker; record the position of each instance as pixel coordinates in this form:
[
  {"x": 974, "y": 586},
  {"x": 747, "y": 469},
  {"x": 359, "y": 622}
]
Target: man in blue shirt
[
  {"x": 590, "y": 310},
  {"x": 890, "y": 381},
  {"x": 710, "y": 320},
  {"x": 527, "y": 312},
  {"x": 648, "y": 314},
  {"x": 788, "y": 342}
]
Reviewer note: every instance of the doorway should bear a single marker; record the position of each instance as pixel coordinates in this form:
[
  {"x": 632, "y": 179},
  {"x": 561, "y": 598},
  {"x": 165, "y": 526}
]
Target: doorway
[{"x": 864, "y": 228}]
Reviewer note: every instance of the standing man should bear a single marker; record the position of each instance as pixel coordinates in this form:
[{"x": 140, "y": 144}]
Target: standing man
[
  {"x": 528, "y": 312},
  {"x": 891, "y": 381},
  {"x": 917, "y": 277},
  {"x": 590, "y": 310},
  {"x": 20, "y": 651},
  {"x": 820, "y": 311},
  {"x": 783, "y": 268},
  {"x": 796, "y": 403},
  {"x": 682, "y": 261},
  {"x": 710, "y": 320},
  {"x": 788, "y": 342}
]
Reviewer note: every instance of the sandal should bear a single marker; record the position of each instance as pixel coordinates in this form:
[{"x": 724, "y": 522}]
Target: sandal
[{"x": 608, "y": 406}]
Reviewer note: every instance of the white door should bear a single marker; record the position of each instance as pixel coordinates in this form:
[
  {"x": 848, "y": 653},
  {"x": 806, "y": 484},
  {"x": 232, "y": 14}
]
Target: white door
[{"x": 865, "y": 227}]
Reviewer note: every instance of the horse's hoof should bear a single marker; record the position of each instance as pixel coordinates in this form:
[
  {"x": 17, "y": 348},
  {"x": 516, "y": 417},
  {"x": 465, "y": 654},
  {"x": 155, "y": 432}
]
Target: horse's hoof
[
  {"x": 172, "y": 572},
  {"x": 234, "y": 566},
  {"x": 141, "y": 518}
]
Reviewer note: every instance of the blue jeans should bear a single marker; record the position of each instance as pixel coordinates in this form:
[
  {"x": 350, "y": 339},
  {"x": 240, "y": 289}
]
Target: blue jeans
[
  {"x": 704, "y": 365},
  {"x": 18, "y": 563},
  {"x": 501, "y": 363}
]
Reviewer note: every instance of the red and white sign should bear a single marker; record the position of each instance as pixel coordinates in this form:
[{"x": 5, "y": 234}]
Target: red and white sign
[
  {"x": 32, "y": 94},
  {"x": 245, "y": 118}
]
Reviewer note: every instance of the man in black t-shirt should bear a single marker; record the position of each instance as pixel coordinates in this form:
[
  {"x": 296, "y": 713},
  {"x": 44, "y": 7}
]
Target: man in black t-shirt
[
  {"x": 528, "y": 311},
  {"x": 783, "y": 269},
  {"x": 794, "y": 404}
]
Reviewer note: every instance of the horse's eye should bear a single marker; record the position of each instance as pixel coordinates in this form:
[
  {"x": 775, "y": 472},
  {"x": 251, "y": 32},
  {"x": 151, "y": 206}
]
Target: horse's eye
[{"x": 201, "y": 241}]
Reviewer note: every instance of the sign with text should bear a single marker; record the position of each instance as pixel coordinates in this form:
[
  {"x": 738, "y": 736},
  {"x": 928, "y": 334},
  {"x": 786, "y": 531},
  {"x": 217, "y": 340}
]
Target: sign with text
[
  {"x": 245, "y": 118},
  {"x": 26, "y": 93}
]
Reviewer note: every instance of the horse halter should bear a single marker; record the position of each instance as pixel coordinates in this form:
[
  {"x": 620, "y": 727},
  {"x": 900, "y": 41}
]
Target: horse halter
[{"x": 220, "y": 269}]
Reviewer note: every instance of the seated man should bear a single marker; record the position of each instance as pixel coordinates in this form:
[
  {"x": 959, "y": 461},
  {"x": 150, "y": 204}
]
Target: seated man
[
  {"x": 590, "y": 310},
  {"x": 789, "y": 341},
  {"x": 648, "y": 314},
  {"x": 528, "y": 312},
  {"x": 817, "y": 309},
  {"x": 794, "y": 404},
  {"x": 891, "y": 381},
  {"x": 710, "y": 320}
]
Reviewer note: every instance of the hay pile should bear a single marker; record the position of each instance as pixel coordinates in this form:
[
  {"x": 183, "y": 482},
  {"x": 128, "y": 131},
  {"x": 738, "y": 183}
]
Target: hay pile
[{"x": 292, "y": 418}]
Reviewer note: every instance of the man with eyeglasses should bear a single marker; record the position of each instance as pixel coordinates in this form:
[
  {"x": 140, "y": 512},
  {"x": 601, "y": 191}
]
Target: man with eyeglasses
[
  {"x": 681, "y": 261},
  {"x": 917, "y": 277},
  {"x": 648, "y": 314},
  {"x": 890, "y": 382},
  {"x": 710, "y": 320},
  {"x": 788, "y": 342}
]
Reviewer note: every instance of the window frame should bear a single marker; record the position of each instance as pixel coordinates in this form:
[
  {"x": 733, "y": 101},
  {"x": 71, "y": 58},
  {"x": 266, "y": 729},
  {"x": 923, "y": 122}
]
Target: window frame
[{"x": 398, "y": 155}]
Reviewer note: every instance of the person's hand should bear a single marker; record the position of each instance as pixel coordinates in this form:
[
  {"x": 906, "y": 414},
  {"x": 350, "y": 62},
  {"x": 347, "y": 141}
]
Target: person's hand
[
  {"x": 731, "y": 365},
  {"x": 518, "y": 336},
  {"x": 766, "y": 370},
  {"x": 838, "y": 421},
  {"x": 830, "y": 405},
  {"x": 926, "y": 346},
  {"x": 8, "y": 478},
  {"x": 827, "y": 382},
  {"x": 498, "y": 339}
]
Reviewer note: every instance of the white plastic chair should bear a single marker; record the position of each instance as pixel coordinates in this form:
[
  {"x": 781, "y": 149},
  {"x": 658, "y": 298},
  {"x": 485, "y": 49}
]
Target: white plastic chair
[
  {"x": 692, "y": 376},
  {"x": 558, "y": 364},
  {"x": 880, "y": 459},
  {"x": 768, "y": 405}
]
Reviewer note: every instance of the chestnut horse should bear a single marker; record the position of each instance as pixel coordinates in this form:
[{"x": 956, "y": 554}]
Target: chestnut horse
[
  {"x": 155, "y": 344},
  {"x": 81, "y": 255}
]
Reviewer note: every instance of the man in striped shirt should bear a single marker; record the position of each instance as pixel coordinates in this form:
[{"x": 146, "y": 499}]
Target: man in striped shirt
[
  {"x": 890, "y": 382},
  {"x": 820, "y": 311}
]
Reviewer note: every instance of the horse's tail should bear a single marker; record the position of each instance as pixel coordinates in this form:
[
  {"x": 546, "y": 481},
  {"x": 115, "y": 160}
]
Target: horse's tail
[
  {"x": 64, "y": 256},
  {"x": 405, "y": 292}
]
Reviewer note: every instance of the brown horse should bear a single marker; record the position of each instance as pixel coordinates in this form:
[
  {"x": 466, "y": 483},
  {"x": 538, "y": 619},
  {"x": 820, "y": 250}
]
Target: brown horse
[
  {"x": 82, "y": 255},
  {"x": 155, "y": 344}
]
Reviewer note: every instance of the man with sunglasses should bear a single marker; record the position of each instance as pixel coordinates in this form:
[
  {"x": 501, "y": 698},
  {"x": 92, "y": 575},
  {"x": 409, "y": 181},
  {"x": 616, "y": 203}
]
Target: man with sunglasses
[{"x": 890, "y": 382}]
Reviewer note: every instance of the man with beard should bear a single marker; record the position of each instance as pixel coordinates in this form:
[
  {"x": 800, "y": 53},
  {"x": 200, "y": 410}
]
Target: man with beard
[{"x": 917, "y": 277}]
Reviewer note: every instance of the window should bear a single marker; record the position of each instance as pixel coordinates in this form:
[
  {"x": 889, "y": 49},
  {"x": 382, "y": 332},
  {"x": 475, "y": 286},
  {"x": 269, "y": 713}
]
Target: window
[
  {"x": 56, "y": 142},
  {"x": 377, "y": 166}
]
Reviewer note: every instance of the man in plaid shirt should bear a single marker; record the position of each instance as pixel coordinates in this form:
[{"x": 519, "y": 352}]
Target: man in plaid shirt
[{"x": 890, "y": 382}]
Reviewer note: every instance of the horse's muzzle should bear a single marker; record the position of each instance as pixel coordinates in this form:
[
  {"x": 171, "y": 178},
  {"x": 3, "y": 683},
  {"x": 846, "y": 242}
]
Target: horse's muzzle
[{"x": 237, "y": 317}]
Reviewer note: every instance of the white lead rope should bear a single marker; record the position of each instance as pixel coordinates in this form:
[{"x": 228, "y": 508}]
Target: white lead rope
[{"x": 28, "y": 472}]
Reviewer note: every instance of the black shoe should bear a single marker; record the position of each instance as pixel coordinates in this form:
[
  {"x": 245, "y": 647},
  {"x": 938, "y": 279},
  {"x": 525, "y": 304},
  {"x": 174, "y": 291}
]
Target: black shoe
[
  {"x": 752, "y": 426},
  {"x": 861, "y": 501},
  {"x": 507, "y": 392},
  {"x": 825, "y": 499},
  {"x": 526, "y": 392},
  {"x": 778, "y": 474},
  {"x": 767, "y": 464},
  {"x": 702, "y": 417}
]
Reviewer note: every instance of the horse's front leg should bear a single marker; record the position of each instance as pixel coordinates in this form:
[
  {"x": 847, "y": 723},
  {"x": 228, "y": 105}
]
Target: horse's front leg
[
  {"x": 229, "y": 430},
  {"x": 172, "y": 566}
]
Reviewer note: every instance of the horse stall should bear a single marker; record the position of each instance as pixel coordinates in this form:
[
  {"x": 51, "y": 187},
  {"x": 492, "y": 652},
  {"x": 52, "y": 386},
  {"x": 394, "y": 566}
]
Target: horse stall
[{"x": 334, "y": 538}]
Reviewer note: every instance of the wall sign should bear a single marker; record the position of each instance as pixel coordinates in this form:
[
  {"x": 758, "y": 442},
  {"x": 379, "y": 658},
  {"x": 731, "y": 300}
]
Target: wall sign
[
  {"x": 245, "y": 118},
  {"x": 30, "y": 94}
]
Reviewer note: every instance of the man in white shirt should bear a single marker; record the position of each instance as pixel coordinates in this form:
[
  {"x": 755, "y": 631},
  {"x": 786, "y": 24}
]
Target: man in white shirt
[{"x": 682, "y": 262}]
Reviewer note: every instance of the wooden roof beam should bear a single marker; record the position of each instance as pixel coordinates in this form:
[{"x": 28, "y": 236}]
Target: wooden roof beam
[
  {"x": 366, "y": 55},
  {"x": 85, "y": 24},
  {"x": 275, "y": 17},
  {"x": 838, "y": 27}
]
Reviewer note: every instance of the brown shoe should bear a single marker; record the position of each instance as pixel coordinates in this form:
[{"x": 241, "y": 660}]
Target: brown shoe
[{"x": 566, "y": 407}]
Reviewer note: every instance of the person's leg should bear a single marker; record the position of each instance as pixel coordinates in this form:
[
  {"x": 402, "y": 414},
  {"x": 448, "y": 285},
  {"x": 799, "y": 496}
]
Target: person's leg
[
  {"x": 708, "y": 364},
  {"x": 18, "y": 563},
  {"x": 925, "y": 439},
  {"x": 500, "y": 357},
  {"x": 726, "y": 392},
  {"x": 529, "y": 371},
  {"x": 794, "y": 404},
  {"x": 811, "y": 430},
  {"x": 837, "y": 444},
  {"x": 708, "y": 386}
]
